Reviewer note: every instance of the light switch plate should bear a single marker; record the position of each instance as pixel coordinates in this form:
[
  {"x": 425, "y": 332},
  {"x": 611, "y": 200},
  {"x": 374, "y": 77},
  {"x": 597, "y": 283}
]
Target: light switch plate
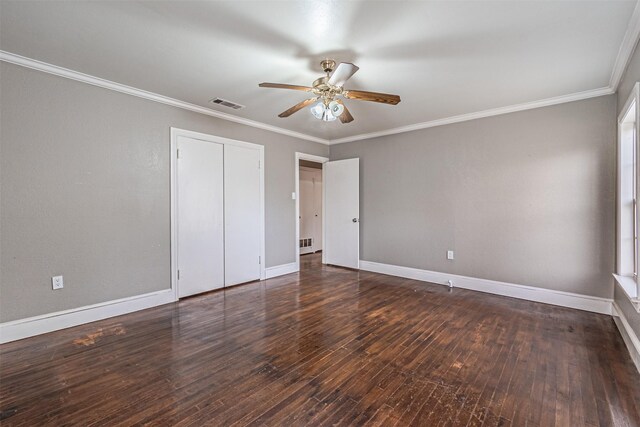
[
  {"x": 57, "y": 282},
  {"x": 293, "y": 195},
  {"x": 449, "y": 254}
]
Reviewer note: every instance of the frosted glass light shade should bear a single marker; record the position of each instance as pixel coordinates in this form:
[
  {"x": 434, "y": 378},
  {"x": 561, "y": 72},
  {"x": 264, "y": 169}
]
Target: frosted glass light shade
[
  {"x": 325, "y": 113},
  {"x": 328, "y": 116},
  {"x": 318, "y": 110},
  {"x": 336, "y": 108}
]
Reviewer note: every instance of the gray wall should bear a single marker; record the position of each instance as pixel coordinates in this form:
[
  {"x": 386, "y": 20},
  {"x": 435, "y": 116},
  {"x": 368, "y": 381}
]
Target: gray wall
[
  {"x": 526, "y": 198},
  {"x": 629, "y": 79},
  {"x": 631, "y": 76},
  {"x": 84, "y": 191}
]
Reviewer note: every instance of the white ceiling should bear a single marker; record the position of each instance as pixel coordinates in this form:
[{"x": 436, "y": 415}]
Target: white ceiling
[{"x": 443, "y": 58}]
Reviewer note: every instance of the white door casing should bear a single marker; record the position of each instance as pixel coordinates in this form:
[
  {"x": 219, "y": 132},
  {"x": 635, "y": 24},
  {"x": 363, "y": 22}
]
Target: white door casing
[
  {"x": 200, "y": 216},
  {"x": 342, "y": 213},
  {"x": 313, "y": 158}
]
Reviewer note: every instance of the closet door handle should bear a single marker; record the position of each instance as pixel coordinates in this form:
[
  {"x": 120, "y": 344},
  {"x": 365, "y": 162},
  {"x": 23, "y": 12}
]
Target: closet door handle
[{"x": 355, "y": 220}]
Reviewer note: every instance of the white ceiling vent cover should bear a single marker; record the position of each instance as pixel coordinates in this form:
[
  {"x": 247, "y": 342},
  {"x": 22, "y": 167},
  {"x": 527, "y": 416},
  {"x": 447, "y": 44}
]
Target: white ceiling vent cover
[{"x": 224, "y": 102}]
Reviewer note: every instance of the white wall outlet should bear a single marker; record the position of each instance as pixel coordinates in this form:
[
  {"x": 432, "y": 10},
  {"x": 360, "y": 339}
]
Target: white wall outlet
[
  {"x": 449, "y": 254},
  {"x": 293, "y": 195},
  {"x": 57, "y": 282}
]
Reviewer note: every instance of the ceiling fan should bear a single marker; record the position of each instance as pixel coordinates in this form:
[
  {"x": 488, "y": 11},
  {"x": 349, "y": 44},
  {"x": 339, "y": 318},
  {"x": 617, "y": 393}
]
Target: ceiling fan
[{"x": 327, "y": 105}]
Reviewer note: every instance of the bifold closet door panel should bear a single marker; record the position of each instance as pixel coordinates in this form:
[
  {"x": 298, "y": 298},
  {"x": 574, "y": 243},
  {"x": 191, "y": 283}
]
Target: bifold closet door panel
[
  {"x": 200, "y": 212},
  {"x": 242, "y": 214}
]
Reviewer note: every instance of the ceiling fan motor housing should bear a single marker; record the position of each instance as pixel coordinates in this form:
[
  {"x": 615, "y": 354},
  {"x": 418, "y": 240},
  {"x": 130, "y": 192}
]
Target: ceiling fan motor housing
[
  {"x": 321, "y": 83},
  {"x": 328, "y": 65}
]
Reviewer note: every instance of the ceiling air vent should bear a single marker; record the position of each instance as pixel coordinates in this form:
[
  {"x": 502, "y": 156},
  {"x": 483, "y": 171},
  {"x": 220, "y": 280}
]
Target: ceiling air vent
[{"x": 226, "y": 103}]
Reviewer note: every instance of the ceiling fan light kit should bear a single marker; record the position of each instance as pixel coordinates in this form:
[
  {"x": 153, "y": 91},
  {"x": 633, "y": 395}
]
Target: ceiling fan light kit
[
  {"x": 328, "y": 90},
  {"x": 327, "y": 113}
]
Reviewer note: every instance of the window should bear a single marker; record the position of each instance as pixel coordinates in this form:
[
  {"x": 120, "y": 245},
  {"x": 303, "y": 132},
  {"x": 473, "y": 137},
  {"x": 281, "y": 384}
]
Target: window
[
  {"x": 627, "y": 209},
  {"x": 633, "y": 164}
]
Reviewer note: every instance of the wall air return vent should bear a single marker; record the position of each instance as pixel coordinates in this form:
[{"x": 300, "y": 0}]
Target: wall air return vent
[{"x": 225, "y": 103}]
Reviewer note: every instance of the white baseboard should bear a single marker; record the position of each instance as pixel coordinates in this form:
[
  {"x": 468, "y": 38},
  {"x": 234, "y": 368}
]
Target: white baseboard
[
  {"x": 31, "y": 326},
  {"x": 281, "y": 270},
  {"x": 628, "y": 335},
  {"x": 548, "y": 296},
  {"x": 24, "y": 328}
]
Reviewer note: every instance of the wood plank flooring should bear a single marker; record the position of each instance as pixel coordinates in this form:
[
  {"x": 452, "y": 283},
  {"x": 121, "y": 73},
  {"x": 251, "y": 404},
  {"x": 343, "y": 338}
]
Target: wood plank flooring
[{"x": 327, "y": 347}]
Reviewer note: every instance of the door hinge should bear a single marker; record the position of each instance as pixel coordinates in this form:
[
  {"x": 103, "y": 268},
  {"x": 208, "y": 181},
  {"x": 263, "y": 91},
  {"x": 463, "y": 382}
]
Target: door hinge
[
  {"x": 178, "y": 153},
  {"x": 258, "y": 164},
  {"x": 178, "y": 274},
  {"x": 259, "y": 259}
]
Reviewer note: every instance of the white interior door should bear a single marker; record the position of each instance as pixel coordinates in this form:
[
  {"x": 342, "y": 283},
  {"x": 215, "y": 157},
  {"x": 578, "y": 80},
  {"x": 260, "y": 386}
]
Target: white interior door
[
  {"x": 317, "y": 189},
  {"x": 200, "y": 211},
  {"x": 342, "y": 213},
  {"x": 242, "y": 214}
]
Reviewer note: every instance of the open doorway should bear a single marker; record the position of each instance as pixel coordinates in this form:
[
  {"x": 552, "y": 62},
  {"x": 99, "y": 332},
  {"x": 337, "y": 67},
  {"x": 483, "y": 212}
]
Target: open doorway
[
  {"x": 310, "y": 210},
  {"x": 310, "y": 217}
]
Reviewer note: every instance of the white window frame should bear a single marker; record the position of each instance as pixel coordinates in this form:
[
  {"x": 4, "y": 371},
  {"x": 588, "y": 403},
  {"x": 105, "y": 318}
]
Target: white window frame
[{"x": 627, "y": 224}]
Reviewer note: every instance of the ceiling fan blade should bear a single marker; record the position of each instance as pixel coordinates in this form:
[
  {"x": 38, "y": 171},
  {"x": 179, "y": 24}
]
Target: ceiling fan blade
[
  {"x": 286, "y": 86},
  {"x": 346, "y": 116},
  {"x": 361, "y": 95},
  {"x": 299, "y": 106},
  {"x": 342, "y": 73}
]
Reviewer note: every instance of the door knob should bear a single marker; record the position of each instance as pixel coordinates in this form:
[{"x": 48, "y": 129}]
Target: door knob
[{"x": 355, "y": 220}]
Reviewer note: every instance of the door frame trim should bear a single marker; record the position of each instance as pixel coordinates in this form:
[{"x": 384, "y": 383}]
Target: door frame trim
[
  {"x": 313, "y": 158},
  {"x": 177, "y": 132}
]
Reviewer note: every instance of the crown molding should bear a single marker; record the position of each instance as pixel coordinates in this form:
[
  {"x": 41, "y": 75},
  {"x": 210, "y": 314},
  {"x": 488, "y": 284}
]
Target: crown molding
[
  {"x": 481, "y": 114},
  {"x": 107, "y": 84},
  {"x": 627, "y": 47}
]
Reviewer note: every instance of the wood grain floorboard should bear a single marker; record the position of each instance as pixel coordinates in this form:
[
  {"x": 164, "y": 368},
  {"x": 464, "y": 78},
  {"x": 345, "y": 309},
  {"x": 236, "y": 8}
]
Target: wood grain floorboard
[{"x": 327, "y": 346}]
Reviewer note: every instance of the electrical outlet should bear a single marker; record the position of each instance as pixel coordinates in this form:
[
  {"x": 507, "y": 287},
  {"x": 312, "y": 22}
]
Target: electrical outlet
[
  {"x": 449, "y": 254},
  {"x": 57, "y": 282}
]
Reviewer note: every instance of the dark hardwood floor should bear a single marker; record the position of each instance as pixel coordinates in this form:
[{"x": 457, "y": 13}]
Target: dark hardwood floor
[{"x": 328, "y": 347}]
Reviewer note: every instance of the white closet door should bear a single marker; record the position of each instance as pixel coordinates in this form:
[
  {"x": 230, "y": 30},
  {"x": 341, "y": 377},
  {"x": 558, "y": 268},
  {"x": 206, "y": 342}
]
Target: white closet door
[
  {"x": 200, "y": 216},
  {"x": 342, "y": 213},
  {"x": 242, "y": 214}
]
